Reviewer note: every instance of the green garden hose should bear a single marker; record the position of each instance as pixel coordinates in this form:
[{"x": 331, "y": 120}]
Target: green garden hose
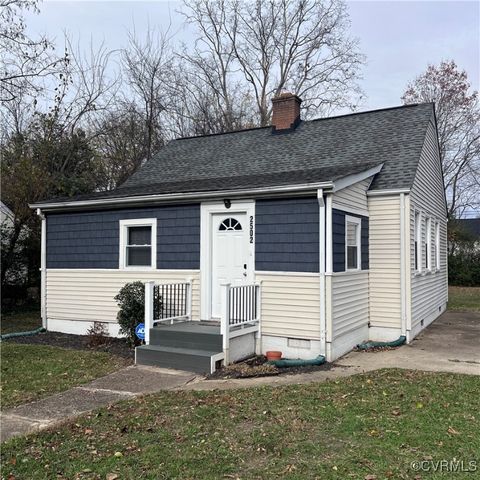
[
  {"x": 23, "y": 334},
  {"x": 396, "y": 343},
  {"x": 297, "y": 362}
]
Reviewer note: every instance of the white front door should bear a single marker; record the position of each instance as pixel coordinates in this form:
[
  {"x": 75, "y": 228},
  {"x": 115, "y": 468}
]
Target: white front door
[{"x": 230, "y": 254}]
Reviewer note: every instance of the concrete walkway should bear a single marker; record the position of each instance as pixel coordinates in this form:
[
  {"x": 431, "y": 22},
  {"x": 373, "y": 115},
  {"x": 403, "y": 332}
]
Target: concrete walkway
[
  {"x": 450, "y": 344},
  {"x": 126, "y": 383}
]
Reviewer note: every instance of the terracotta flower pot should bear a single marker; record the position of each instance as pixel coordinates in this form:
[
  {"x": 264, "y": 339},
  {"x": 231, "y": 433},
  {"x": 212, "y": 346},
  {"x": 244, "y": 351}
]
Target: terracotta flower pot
[{"x": 274, "y": 355}]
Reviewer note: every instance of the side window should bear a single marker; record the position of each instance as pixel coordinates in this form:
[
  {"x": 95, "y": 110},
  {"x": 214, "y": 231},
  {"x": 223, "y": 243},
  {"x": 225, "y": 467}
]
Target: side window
[
  {"x": 428, "y": 243},
  {"x": 437, "y": 245},
  {"x": 138, "y": 243},
  {"x": 353, "y": 257},
  {"x": 418, "y": 238}
]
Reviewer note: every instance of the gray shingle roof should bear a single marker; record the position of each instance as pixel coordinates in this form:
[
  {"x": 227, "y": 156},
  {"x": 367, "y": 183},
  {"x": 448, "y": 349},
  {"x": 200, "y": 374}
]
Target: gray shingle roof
[{"x": 316, "y": 151}]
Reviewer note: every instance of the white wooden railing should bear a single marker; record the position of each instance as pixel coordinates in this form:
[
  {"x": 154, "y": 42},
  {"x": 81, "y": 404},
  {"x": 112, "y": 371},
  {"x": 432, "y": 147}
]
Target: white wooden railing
[
  {"x": 166, "y": 303},
  {"x": 240, "y": 313}
]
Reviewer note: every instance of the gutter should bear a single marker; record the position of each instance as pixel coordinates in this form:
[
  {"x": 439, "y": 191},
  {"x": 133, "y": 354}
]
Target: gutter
[{"x": 175, "y": 197}]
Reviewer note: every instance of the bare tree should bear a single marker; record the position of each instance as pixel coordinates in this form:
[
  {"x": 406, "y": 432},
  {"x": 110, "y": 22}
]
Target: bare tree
[
  {"x": 297, "y": 45},
  {"x": 458, "y": 119},
  {"x": 120, "y": 143},
  {"x": 147, "y": 65},
  {"x": 24, "y": 61}
]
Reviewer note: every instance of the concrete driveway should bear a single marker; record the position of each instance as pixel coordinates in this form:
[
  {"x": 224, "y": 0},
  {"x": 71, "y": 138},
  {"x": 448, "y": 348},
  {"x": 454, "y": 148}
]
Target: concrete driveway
[{"x": 450, "y": 344}]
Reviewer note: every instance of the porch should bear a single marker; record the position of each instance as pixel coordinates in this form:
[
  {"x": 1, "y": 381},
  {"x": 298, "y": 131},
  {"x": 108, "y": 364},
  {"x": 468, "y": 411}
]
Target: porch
[{"x": 174, "y": 340}]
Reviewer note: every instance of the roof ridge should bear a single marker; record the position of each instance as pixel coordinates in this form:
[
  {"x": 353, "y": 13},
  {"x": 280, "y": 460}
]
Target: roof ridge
[{"x": 375, "y": 110}]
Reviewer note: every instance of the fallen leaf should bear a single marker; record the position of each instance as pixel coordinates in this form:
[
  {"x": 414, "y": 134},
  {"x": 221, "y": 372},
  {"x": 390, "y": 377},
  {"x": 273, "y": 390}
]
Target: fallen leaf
[
  {"x": 419, "y": 405},
  {"x": 111, "y": 476},
  {"x": 452, "y": 431},
  {"x": 370, "y": 476},
  {"x": 396, "y": 413},
  {"x": 118, "y": 454}
]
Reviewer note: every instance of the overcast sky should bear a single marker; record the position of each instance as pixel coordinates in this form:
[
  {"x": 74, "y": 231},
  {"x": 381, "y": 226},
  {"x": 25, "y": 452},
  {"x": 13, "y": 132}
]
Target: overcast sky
[{"x": 399, "y": 38}]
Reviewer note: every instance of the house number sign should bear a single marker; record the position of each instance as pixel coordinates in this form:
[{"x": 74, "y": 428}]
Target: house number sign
[{"x": 251, "y": 228}]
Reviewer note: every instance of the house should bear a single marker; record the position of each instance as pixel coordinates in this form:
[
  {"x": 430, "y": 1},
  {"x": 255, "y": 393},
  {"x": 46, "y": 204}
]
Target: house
[
  {"x": 470, "y": 227},
  {"x": 307, "y": 237},
  {"x": 6, "y": 215}
]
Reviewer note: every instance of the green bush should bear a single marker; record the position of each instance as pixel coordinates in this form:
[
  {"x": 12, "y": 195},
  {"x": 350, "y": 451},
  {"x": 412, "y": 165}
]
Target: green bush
[
  {"x": 131, "y": 300},
  {"x": 464, "y": 268}
]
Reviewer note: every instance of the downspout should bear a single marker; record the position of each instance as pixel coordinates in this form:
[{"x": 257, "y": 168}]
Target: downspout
[
  {"x": 43, "y": 269},
  {"x": 403, "y": 278},
  {"x": 328, "y": 276},
  {"x": 321, "y": 263}
]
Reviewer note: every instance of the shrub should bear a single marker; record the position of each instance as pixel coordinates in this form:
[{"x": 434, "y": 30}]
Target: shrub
[
  {"x": 97, "y": 335},
  {"x": 131, "y": 300}
]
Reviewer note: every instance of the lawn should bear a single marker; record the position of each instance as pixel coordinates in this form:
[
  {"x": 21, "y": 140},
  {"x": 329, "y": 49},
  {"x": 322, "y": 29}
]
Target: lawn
[
  {"x": 370, "y": 426},
  {"x": 464, "y": 299},
  {"x": 22, "y": 320},
  {"x": 29, "y": 372}
]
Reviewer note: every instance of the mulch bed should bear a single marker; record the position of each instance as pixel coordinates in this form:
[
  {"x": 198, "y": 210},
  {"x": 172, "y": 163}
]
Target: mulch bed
[
  {"x": 115, "y": 346},
  {"x": 258, "y": 367}
]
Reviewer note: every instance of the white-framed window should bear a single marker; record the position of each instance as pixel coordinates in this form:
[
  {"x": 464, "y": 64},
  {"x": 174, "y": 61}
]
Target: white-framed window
[
  {"x": 428, "y": 243},
  {"x": 418, "y": 241},
  {"x": 138, "y": 243},
  {"x": 353, "y": 229},
  {"x": 437, "y": 245}
]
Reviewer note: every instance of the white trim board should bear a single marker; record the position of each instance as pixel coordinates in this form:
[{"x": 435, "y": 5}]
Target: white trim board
[
  {"x": 284, "y": 273},
  {"x": 345, "y": 182},
  {"x": 130, "y": 270},
  {"x": 393, "y": 191}
]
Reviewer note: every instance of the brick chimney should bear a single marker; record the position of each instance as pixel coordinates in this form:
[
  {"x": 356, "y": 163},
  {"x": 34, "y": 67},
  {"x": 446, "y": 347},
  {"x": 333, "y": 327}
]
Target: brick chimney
[{"x": 285, "y": 112}]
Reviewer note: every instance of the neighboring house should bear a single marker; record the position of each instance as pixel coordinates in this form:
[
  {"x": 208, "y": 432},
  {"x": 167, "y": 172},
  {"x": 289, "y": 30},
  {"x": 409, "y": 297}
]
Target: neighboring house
[
  {"x": 6, "y": 216},
  {"x": 471, "y": 226},
  {"x": 307, "y": 237}
]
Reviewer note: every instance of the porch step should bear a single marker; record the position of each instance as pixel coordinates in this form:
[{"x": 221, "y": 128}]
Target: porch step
[
  {"x": 199, "y": 337},
  {"x": 190, "y": 359}
]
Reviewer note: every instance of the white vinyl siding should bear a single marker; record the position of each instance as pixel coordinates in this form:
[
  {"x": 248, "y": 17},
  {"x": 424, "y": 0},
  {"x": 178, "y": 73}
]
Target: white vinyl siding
[
  {"x": 349, "y": 302},
  {"x": 429, "y": 288},
  {"x": 353, "y": 197},
  {"x": 290, "y": 305},
  {"x": 88, "y": 294},
  {"x": 384, "y": 253}
]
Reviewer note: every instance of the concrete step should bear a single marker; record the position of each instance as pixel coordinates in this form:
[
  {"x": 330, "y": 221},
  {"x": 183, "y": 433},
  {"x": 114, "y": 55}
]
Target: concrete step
[
  {"x": 199, "y": 338},
  {"x": 189, "y": 359}
]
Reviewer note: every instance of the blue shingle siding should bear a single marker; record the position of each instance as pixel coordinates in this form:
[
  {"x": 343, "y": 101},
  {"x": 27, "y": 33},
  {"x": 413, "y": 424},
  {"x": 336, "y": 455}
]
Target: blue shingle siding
[
  {"x": 339, "y": 240},
  {"x": 286, "y": 235},
  {"x": 91, "y": 239}
]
